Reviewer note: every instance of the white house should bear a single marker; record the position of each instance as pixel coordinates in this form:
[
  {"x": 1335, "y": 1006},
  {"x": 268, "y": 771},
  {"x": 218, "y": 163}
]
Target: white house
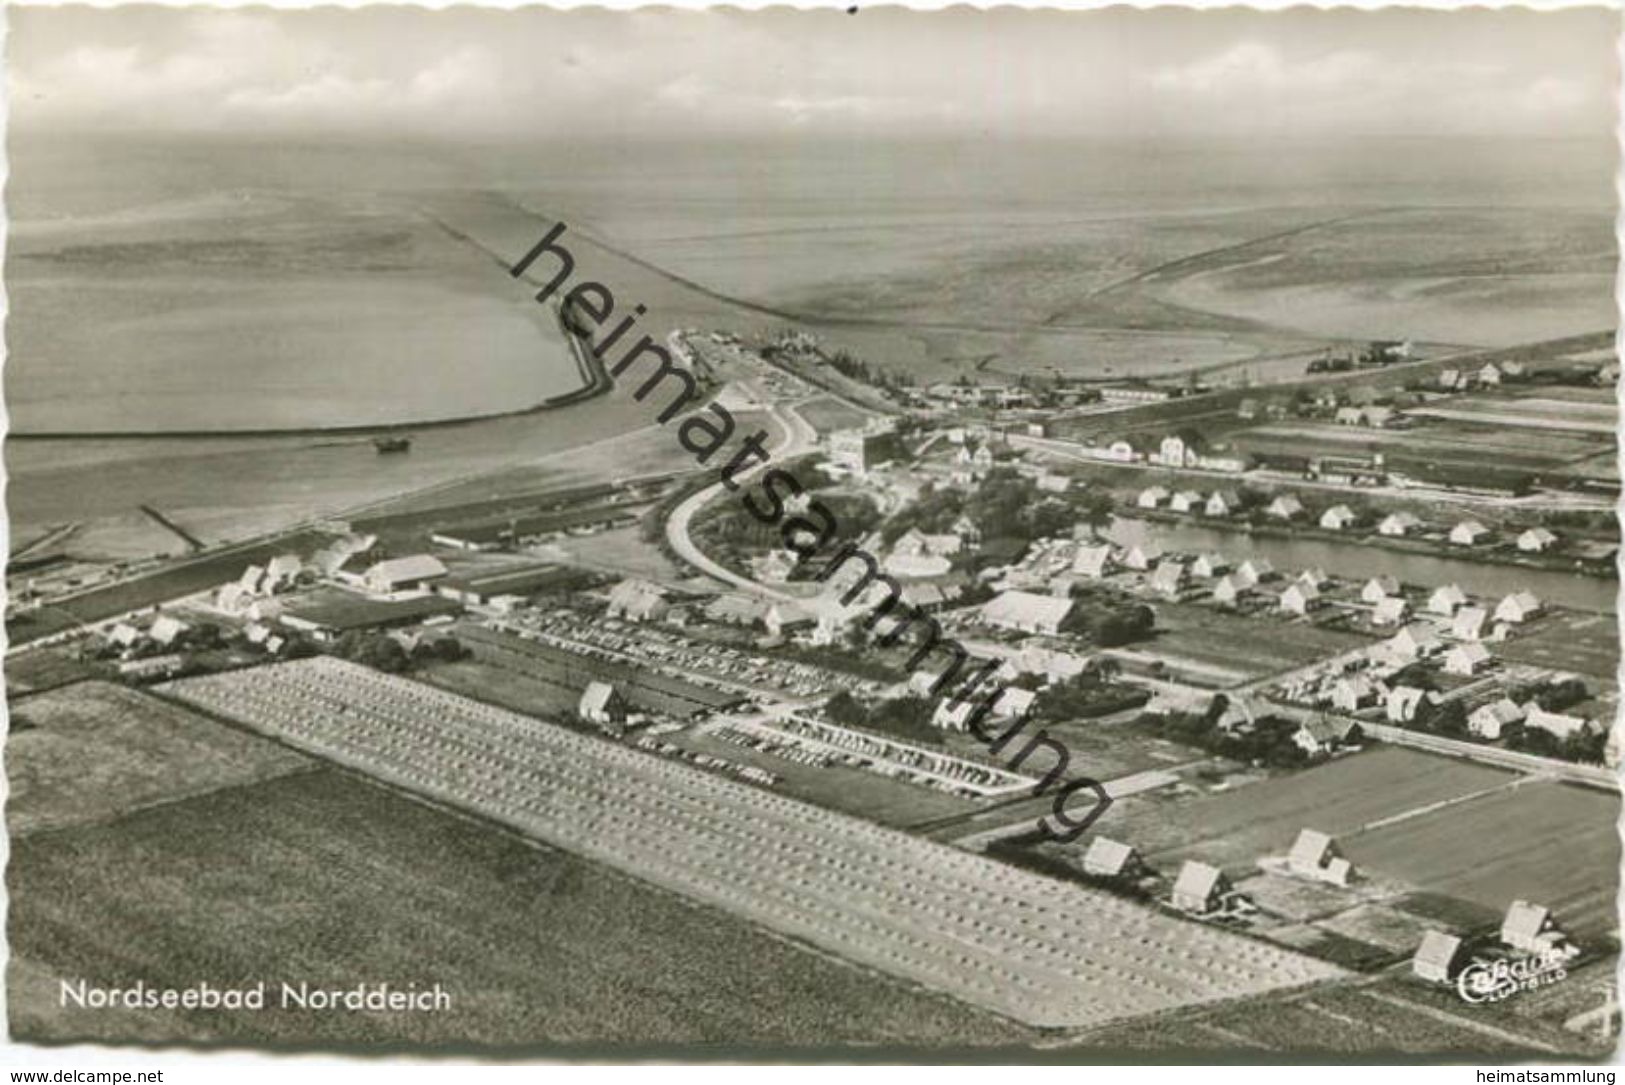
[
  {"x": 1446, "y": 599},
  {"x": 954, "y": 716},
  {"x": 1488, "y": 720},
  {"x": 1391, "y": 610},
  {"x": 1314, "y": 577},
  {"x": 1337, "y": 518},
  {"x": 1412, "y": 642},
  {"x": 1255, "y": 571},
  {"x": 1285, "y": 507},
  {"x": 1209, "y": 565},
  {"x": 1093, "y": 562},
  {"x": 1353, "y": 692},
  {"x": 1404, "y": 702},
  {"x": 1142, "y": 557},
  {"x": 1536, "y": 540},
  {"x": 637, "y": 600},
  {"x": 1299, "y": 598},
  {"x": 1379, "y": 588},
  {"x": 1186, "y": 501},
  {"x": 1397, "y": 524},
  {"x": 1466, "y": 659},
  {"x": 1222, "y": 503},
  {"x": 1151, "y": 497},
  {"x": 600, "y": 704},
  {"x": 1229, "y": 590},
  {"x": 1468, "y": 533},
  {"x": 1518, "y": 607},
  {"x": 1169, "y": 579},
  {"x": 1013, "y": 702},
  {"x": 165, "y": 630},
  {"x": 1468, "y": 624}
]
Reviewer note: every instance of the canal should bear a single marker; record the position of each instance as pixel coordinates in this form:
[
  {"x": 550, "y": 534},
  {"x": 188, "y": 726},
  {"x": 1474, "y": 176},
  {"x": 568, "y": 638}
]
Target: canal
[{"x": 1355, "y": 561}]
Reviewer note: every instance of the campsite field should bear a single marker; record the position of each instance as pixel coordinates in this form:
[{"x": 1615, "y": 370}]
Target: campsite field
[{"x": 349, "y": 881}]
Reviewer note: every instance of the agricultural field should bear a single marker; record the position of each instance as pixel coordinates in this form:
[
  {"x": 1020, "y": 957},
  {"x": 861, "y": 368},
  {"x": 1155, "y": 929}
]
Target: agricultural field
[
  {"x": 1226, "y": 644},
  {"x": 1571, "y": 641},
  {"x": 351, "y": 881},
  {"x": 1234, "y": 828},
  {"x": 1553, "y": 843},
  {"x": 94, "y": 751}
]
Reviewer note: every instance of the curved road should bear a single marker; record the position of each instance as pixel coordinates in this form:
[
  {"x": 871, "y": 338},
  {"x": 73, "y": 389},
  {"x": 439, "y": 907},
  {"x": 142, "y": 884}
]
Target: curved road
[{"x": 799, "y": 437}]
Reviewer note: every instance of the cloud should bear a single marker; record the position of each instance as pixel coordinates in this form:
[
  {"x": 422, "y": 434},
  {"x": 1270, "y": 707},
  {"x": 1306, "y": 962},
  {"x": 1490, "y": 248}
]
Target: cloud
[{"x": 668, "y": 72}]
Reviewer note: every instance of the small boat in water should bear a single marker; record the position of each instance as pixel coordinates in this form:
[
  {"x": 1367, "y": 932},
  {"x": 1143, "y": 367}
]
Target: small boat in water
[{"x": 392, "y": 444}]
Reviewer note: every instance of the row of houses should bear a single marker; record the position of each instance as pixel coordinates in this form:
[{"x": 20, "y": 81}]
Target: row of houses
[{"x": 1288, "y": 508}]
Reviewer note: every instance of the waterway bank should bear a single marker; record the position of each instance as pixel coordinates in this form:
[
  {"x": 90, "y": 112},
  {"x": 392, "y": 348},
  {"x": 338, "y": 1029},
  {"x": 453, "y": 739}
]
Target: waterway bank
[{"x": 1352, "y": 560}]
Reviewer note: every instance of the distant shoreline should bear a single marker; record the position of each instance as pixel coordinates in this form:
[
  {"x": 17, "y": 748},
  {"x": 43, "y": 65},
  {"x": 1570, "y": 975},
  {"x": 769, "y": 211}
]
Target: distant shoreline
[{"x": 596, "y": 382}]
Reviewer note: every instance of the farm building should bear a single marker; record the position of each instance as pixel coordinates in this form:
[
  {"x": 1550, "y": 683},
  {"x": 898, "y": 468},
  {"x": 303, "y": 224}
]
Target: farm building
[
  {"x": 489, "y": 589},
  {"x": 1468, "y": 533},
  {"x": 1026, "y": 612},
  {"x": 1285, "y": 507},
  {"x": 1152, "y": 497},
  {"x": 1398, "y": 524},
  {"x": 1209, "y": 565},
  {"x": 1337, "y": 518},
  {"x": 1439, "y": 957},
  {"x": 1093, "y": 562},
  {"x": 1488, "y": 720},
  {"x": 1378, "y": 588},
  {"x": 1531, "y": 928},
  {"x": 1222, "y": 503},
  {"x": 1168, "y": 579},
  {"x": 1390, "y": 611},
  {"x": 1445, "y": 600},
  {"x": 1466, "y": 659},
  {"x": 637, "y": 600},
  {"x": 403, "y": 574},
  {"x": 1468, "y": 624},
  {"x": 1537, "y": 540},
  {"x": 1186, "y": 501},
  {"x": 1518, "y": 607},
  {"x": 1299, "y": 598},
  {"x": 1554, "y": 723},
  {"x": 1314, "y": 855},
  {"x": 1200, "y": 888},
  {"x": 1142, "y": 557},
  {"x": 1111, "y": 859}
]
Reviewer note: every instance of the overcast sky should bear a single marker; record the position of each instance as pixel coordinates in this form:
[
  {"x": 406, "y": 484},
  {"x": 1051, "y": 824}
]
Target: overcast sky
[{"x": 1122, "y": 72}]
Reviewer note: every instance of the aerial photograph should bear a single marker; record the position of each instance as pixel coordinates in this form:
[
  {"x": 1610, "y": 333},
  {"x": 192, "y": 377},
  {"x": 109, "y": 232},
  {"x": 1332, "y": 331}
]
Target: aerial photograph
[{"x": 857, "y": 534}]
